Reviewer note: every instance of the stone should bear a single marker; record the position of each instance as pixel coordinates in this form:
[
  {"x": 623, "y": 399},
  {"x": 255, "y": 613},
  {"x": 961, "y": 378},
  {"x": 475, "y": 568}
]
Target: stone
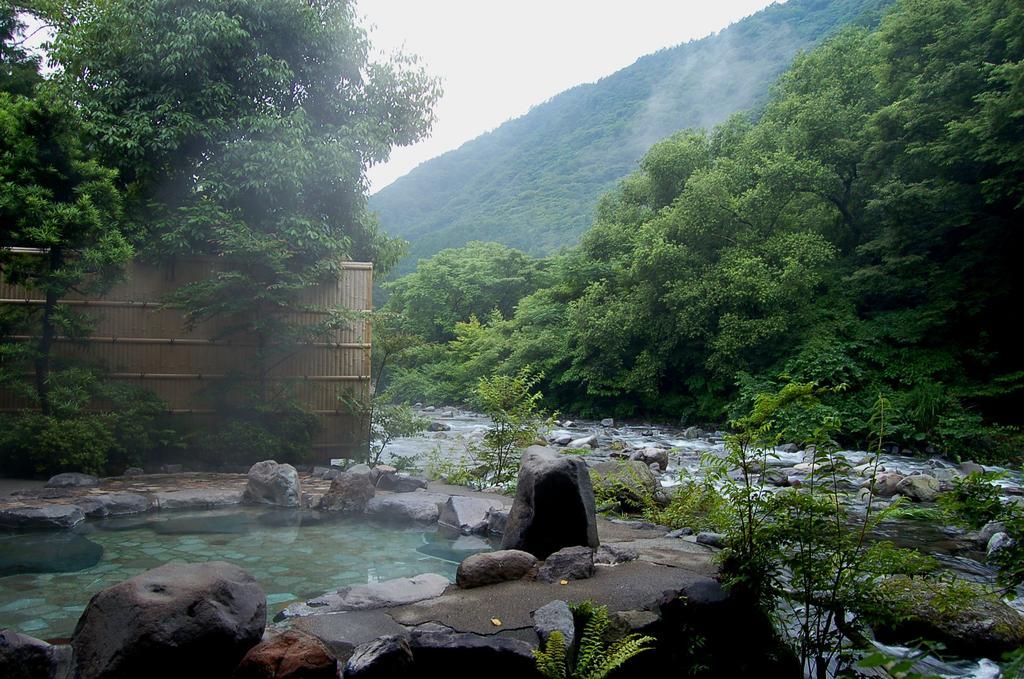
[
  {"x": 176, "y": 620},
  {"x": 487, "y": 568},
  {"x": 775, "y": 477},
  {"x": 372, "y": 595},
  {"x": 974, "y": 623},
  {"x": 568, "y": 424},
  {"x": 788, "y": 448},
  {"x": 608, "y": 422},
  {"x": 679, "y": 533},
  {"x": 497, "y": 521},
  {"x": 988, "y": 530},
  {"x": 45, "y": 517},
  {"x": 885, "y": 484},
  {"x": 345, "y": 631},
  {"x": 919, "y": 488},
  {"x": 25, "y": 657},
  {"x": 382, "y": 658},
  {"x": 362, "y": 468},
  {"x": 468, "y": 515},
  {"x": 113, "y": 504},
  {"x": 711, "y": 539},
  {"x": 630, "y": 483},
  {"x": 418, "y": 506},
  {"x": 349, "y": 492},
  {"x": 401, "y": 483},
  {"x": 439, "y": 426},
  {"x": 198, "y": 498},
  {"x": 649, "y": 456},
  {"x": 692, "y": 433},
  {"x": 997, "y": 542},
  {"x": 583, "y": 442},
  {"x": 463, "y": 655},
  {"x": 968, "y": 468},
  {"x": 555, "y": 617},
  {"x": 610, "y": 554},
  {"x": 270, "y": 483},
  {"x": 134, "y": 471},
  {"x": 562, "y": 439},
  {"x": 73, "y": 480},
  {"x": 554, "y": 505},
  {"x": 429, "y": 409},
  {"x": 293, "y": 654},
  {"x": 568, "y": 563}
]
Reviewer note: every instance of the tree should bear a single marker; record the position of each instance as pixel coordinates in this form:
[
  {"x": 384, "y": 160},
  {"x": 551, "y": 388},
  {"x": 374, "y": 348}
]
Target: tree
[{"x": 19, "y": 70}]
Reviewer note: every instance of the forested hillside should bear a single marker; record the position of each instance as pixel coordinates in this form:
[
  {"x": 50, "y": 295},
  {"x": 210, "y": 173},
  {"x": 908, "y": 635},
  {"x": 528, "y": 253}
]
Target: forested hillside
[
  {"x": 534, "y": 182},
  {"x": 861, "y": 232}
]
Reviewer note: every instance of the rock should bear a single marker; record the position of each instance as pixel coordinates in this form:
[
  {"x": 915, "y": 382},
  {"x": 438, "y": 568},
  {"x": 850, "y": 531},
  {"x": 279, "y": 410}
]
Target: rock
[
  {"x": 610, "y": 554},
  {"x": 271, "y": 483},
  {"x": 198, "y": 498},
  {"x": 439, "y": 426},
  {"x": 679, "y": 532},
  {"x": 919, "y": 488},
  {"x": 583, "y": 442},
  {"x": 345, "y": 631},
  {"x": 290, "y": 655},
  {"x": 24, "y": 657},
  {"x": 568, "y": 563},
  {"x": 418, "y": 506},
  {"x": 384, "y": 594},
  {"x": 73, "y": 480},
  {"x": 555, "y": 617},
  {"x": 468, "y": 515},
  {"x": 968, "y": 468},
  {"x": 968, "y": 620},
  {"x": 349, "y": 492},
  {"x": 649, "y": 456},
  {"x": 45, "y": 517},
  {"x": 382, "y": 658},
  {"x": 775, "y": 477},
  {"x": 554, "y": 505},
  {"x": 711, "y": 539},
  {"x": 630, "y": 483},
  {"x": 113, "y": 504},
  {"x": 568, "y": 424},
  {"x": 401, "y": 483},
  {"x": 562, "y": 440},
  {"x": 885, "y": 484},
  {"x": 692, "y": 433},
  {"x": 608, "y": 422},
  {"x": 987, "y": 531},
  {"x": 176, "y": 620},
  {"x": 429, "y": 409},
  {"x": 487, "y": 568},
  {"x": 998, "y": 542},
  {"x": 134, "y": 471},
  {"x": 361, "y": 468},
  {"x": 788, "y": 448},
  {"x": 462, "y": 655},
  {"x": 622, "y": 623},
  {"x": 497, "y": 521}
]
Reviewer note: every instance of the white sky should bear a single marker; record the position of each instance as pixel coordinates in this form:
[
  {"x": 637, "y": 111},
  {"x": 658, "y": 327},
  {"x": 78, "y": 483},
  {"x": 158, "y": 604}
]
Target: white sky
[{"x": 497, "y": 59}]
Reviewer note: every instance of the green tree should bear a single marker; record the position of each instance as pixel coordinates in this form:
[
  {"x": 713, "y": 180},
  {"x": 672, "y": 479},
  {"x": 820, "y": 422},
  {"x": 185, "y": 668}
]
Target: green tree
[{"x": 514, "y": 408}]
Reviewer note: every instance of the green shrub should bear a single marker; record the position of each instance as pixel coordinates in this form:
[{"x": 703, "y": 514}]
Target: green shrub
[
  {"x": 974, "y": 501},
  {"x": 696, "y": 504},
  {"x": 597, "y": 654},
  {"x": 284, "y": 434},
  {"x": 33, "y": 444}
]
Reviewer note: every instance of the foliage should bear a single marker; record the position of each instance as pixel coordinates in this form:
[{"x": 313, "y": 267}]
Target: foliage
[
  {"x": 596, "y": 655},
  {"x": 389, "y": 421},
  {"x": 973, "y": 501},
  {"x": 457, "y": 472},
  {"x": 516, "y": 418},
  {"x": 282, "y": 431},
  {"x": 696, "y": 503}
]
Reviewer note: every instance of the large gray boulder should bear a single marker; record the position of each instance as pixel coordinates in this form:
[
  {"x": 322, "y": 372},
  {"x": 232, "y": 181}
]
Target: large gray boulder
[
  {"x": 292, "y": 654},
  {"x": 919, "y": 488},
  {"x": 458, "y": 655},
  {"x": 384, "y": 658},
  {"x": 197, "y": 498},
  {"x": 568, "y": 563},
  {"x": 349, "y": 492},
  {"x": 419, "y": 506},
  {"x": 270, "y": 483},
  {"x": 554, "y": 505},
  {"x": 631, "y": 483},
  {"x": 487, "y": 568},
  {"x": 468, "y": 515},
  {"x": 384, "y": 594},
  {"x": 176, "y": 620},
  {"x": 45, "y": 517},
  {"x": 73, "y": 480},
  {"x": 555, "y": 617},
  {"x": 649, "y": 456},
  {"x": 113, "y": 504},
  {"x": 24, "y": 657}
]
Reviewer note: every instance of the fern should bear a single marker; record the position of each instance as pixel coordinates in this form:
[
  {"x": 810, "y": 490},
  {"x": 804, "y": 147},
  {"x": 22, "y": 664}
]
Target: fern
[{"x": 596, "y": 657}]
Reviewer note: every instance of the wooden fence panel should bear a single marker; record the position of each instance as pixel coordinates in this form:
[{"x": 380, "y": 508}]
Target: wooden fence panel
[{"x": 138, "y": 340}]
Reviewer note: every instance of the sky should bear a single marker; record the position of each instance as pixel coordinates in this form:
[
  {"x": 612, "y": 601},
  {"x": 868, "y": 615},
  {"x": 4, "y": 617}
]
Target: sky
[{"x": 497, "y": 59}]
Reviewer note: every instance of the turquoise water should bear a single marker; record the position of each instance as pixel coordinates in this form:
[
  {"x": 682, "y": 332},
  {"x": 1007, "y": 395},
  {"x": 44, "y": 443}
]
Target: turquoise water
[{"x": 46, "y": 579}]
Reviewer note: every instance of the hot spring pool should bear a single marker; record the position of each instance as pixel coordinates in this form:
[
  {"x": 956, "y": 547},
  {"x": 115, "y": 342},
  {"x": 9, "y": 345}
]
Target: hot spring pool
[{"x": 46, "y": 578}]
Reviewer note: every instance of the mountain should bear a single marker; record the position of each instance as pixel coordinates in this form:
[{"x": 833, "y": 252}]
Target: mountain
[{"x": 533, "y": 182}]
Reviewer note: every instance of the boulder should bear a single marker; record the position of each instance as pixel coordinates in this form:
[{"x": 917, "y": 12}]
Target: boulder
[
  {"x": 419, "y": 506},
  {"x": 24, "y": 657},
  {"x": 968, "y": 620},
  {"x": 555, "y": 617},
  {"x": 608, "y": 422},
  {"x": 45, "y": 517},
  {"x": 554, "y": 505},
  {"x": 987, "y": 531},
  {"x": 349, "y": 492},
  {"x": 400, "y": 483},
  {"x": 919, "y": 488},
  {"x": 270, "y": 483},
  {"x": 968, "y": 468},
  {"x": 113, "y": 504},
  {"x": 679, "y": 533},
  {"x": 439, "y": 426},
  {"x": 73, "y": 480},
  {"x": 497, "y": 521},
  {"x": 631, "y": 483},
  {"x": 649, "y": 456},
  {"x": 610, "y": 553},
  {"x": 290, "y": 655},
  {"x": 173, "y": 621},
  {"x": 384, "y": 594},
  {"x": 692, "y": 433},
  {"x": 345, "y": 631},
  {"x": 198, "y": 498},
  {"x": 562, "y": 439},
  {"x": 456, "y": 655},
  {"x": 997, "y": 542},
  {"x": 711, "y": 539},
  {"x": 568, "y": 563},
  {"x": 886, "y": 484},
  {"x": 487, "y": 568},
  {"x": 775, "y": 477},
  {"x": 583, "y": 442},
  {"x": 468, "y": 515},
  {"x": 381, "y": 658}
]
